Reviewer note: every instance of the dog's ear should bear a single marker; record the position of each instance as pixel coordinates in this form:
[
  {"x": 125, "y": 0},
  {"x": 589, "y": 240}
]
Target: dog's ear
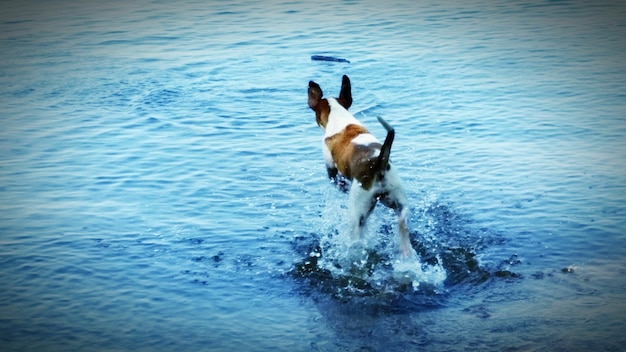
[
  {"x": 315, "y": 94},
  {"x": 345, "y": 95}
]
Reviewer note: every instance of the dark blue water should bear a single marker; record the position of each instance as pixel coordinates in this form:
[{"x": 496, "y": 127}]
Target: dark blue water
[{"x": 162, "y": 185}]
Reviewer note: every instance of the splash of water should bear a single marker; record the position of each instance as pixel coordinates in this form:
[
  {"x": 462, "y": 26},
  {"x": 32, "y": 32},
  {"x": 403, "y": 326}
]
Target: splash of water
[
  {"x": 371, "y": 265},
  {"x": 445, "y": 245}
]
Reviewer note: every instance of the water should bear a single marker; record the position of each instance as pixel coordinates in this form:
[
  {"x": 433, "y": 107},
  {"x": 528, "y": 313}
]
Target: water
[{"x": 162, "y": 182}]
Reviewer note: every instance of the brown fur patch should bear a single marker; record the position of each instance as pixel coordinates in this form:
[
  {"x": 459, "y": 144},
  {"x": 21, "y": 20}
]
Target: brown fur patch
[
  {"x": 354, "y": 161},
  {"x": 322, "y": 110}
]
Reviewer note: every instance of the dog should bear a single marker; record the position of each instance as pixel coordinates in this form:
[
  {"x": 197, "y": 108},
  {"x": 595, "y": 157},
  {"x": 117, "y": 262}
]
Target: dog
[{"x": 358, "y": 163}]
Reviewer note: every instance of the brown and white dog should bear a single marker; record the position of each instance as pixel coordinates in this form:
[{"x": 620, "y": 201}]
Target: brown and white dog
[{"x": 352, "y": 153}]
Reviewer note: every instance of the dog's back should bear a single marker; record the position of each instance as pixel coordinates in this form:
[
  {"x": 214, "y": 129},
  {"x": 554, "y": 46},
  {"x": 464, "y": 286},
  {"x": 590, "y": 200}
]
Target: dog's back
[{"x": 355, "y": 151}]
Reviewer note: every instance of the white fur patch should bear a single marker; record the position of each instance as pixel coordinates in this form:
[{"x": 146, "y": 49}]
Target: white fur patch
[
  {"x": 328, "y": 157},
  {"x": 338, "y": 119},
  {"x": 365, "y": 139}
]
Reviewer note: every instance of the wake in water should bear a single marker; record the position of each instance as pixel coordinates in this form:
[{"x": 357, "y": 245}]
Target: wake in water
[
  {"x": 361, "y": 269},
  {"x": 445, "y": 245}
]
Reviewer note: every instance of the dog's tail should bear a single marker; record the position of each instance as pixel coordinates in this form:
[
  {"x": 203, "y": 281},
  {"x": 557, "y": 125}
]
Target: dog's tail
[{"x": 382, "y": 164}]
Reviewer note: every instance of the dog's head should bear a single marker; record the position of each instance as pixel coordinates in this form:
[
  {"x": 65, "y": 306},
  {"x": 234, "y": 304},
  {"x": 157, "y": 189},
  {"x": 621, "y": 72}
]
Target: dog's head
[{"x": 320, "y": 105}]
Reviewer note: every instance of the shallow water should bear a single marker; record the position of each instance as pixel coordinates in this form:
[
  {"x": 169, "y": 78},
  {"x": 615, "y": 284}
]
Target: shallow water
[{"x": 162, "y": 182}]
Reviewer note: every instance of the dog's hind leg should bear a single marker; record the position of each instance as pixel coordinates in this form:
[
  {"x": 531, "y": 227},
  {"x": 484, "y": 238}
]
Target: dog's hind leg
[
  {"x": 360, "y": 205},
  {"x": 398, "y": 204},
  {"x": 396, "y": 199},
  {"x": 405, "y": 243}
]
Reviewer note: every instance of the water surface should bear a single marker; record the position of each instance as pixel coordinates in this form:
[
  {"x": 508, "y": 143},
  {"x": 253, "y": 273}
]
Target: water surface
[{"x": 162, "y": 183}]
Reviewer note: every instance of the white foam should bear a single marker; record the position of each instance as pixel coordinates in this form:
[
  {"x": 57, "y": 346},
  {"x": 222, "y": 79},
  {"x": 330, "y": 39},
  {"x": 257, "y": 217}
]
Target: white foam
[{"x": 413, "y": 270}]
